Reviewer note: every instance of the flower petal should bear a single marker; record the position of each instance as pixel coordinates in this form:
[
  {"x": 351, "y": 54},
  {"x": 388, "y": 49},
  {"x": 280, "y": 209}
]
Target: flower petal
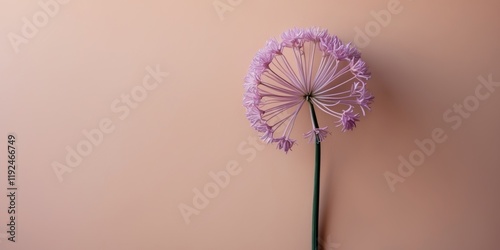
[{"x": 321, "y": 133}]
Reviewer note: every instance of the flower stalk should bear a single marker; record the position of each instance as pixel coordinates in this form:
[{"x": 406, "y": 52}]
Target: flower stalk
[{"x": 317, "y": 169}]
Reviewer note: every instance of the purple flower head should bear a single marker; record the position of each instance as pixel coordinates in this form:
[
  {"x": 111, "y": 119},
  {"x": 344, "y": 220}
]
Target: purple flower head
[{"x": 308, "y": 67}]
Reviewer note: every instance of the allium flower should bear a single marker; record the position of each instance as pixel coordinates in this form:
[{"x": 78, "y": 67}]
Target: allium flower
[{"x": 307, "y": 66}]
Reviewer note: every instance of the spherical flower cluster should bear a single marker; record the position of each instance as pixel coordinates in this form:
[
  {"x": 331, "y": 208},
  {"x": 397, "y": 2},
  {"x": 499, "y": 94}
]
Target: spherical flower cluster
[{"x": 308, "y": 65}]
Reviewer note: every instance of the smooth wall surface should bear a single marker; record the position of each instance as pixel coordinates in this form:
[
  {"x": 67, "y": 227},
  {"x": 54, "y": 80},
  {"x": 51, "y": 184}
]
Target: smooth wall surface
[{"x": 124, "y": 111}]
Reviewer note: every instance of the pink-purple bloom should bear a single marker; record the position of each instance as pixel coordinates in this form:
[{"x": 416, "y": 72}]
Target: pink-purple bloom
[{"x": 308, "y": 65}]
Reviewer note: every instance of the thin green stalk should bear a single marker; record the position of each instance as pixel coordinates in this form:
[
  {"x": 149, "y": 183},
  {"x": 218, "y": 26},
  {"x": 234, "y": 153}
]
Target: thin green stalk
[{"x": 315, "y": 214}]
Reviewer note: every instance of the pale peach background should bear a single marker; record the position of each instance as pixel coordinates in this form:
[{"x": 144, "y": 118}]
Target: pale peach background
[{"x": 126, "y": 193}]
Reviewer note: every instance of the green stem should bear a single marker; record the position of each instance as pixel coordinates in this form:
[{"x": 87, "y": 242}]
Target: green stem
[{"x": 315, "y": 216}]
